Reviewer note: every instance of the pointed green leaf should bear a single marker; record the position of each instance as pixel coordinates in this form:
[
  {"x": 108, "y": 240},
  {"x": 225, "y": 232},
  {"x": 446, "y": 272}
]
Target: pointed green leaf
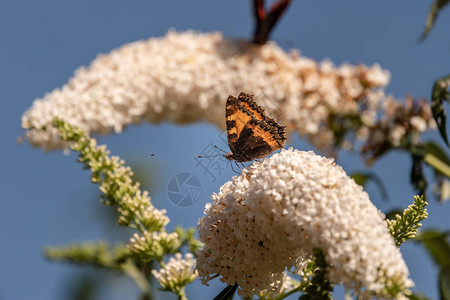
[
  {"x": 133, "y": 271},
  {"x": 437, "y": 245},
  {"x": 362, "y": 178},
  {"x": 432, "y": 16},
  {"x": 83, "y": 286},
  {"x": 438, "y": 159},
  {"x": 440, "y": 94},
  {"x": 436, "y": 150},
  {"x": 391, "y": 215},
  {"x": 417, "y": 176},
  {"x": 227, "y": 293},
  {"x": 418, "y": 296},
  {"x": 444, "y": 283},
  {"x": 438, "y": 165}
]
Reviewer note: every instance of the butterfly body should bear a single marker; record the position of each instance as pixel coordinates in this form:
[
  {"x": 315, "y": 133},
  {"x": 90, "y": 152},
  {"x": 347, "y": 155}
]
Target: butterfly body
[{"x": 251, "y": 133}]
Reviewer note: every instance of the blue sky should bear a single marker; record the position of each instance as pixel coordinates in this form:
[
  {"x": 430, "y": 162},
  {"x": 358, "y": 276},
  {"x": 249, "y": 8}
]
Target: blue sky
[{"x": 49, "y": 200}]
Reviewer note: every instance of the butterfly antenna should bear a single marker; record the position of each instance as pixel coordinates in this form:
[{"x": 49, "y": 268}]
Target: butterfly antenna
[
  {"x": 220, "y": 149},
  {"x": 208, "y": 156}
]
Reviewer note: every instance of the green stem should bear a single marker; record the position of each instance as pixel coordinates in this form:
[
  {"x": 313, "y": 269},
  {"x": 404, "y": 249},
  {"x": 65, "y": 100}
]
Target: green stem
[
  {"x": 181, "y": 294},
  {"x": 139, "y": 225},
  {"x": 301, "y": 288},
  {"x": 297, "y": 289}
]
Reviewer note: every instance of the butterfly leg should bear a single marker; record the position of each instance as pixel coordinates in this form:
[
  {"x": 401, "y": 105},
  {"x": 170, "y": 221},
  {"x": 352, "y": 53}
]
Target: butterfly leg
[{"x": 231, "y": 164}]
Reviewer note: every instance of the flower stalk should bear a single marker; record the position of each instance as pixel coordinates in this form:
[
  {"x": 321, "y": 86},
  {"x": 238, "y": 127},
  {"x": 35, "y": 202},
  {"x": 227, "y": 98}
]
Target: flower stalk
[{"x": 152, "y": 242}]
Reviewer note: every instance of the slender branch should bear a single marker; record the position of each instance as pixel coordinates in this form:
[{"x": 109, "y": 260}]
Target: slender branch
[
  {"x": 260, "y": 12},
  {"x": 276, "y": 12},
  {"x": 265, "y": 22}
]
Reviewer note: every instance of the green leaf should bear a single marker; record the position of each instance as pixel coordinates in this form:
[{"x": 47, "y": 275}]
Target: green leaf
[
  {"x": 417, "y": 177},
  {"x": 437, "y": 158},
  {"x": 432, "y": 16},
  {"x": 437, "y": 245},
  {"x": 392, "y": 214},
  {"x": 444, "y": 283},
  {"x": 438, "y": 165},
  {"x": 440, "y": 94},
  {"x": 227, "y": 293},
  {"x": 362, "y": 178},
  {"x": 436, "y": 150},
  {"x": 83, "y": 287},
  {"x": 418, "y": 296},
  {"x": 132, "y": 270}
]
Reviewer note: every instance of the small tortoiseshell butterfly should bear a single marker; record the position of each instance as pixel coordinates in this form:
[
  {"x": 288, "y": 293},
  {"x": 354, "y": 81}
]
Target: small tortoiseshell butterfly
[{"x": 251, "y": 133}]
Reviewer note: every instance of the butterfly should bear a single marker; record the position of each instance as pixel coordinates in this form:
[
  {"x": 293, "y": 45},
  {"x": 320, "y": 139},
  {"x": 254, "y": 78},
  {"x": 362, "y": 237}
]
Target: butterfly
[{"x": 251, "y": 133}]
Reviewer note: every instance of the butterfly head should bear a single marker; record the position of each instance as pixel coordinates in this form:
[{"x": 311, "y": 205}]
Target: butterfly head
[{"x": 229, "y": 156}]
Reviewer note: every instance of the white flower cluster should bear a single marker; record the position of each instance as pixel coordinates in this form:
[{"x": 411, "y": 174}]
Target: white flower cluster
[
  {"x": 186, "y": 77},
  {"x": 177, "y": 273},
  {"x": 271, "y": 217}
]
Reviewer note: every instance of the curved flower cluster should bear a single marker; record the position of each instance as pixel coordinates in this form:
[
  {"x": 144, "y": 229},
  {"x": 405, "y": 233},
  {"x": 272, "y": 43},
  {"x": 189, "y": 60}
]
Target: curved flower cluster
[
  {"x": 177, "y": 273},
  {"x": 185, "y": 77},
  {"x": 272, "y": 216}
]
